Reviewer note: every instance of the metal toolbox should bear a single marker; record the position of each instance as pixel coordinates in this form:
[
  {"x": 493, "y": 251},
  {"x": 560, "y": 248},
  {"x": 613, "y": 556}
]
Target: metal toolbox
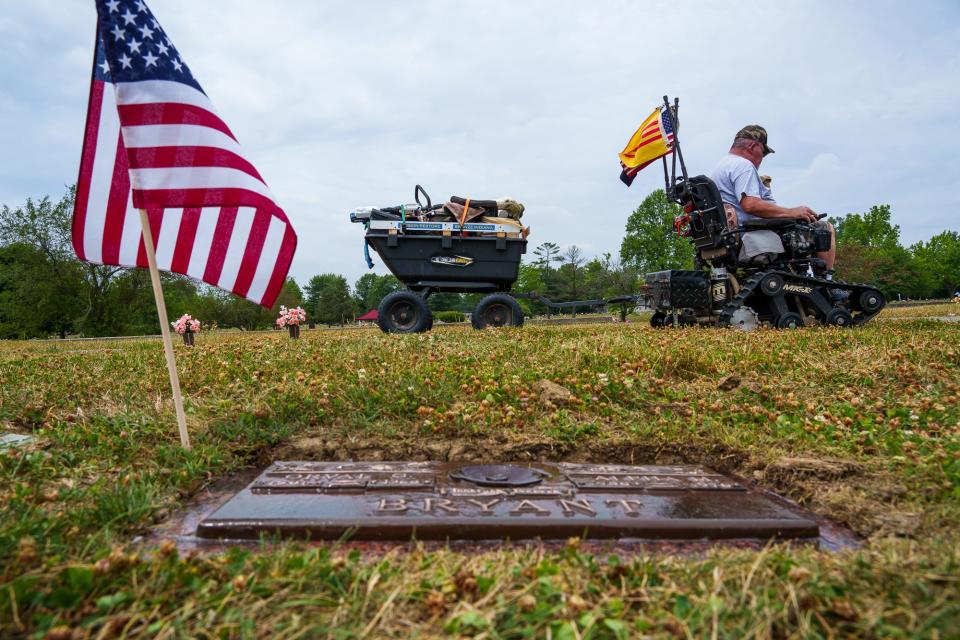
[{"x": 678, "y": 289}]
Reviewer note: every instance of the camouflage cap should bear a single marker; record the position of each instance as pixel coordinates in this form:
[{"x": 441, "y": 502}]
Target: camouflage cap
[{"x": 754, "y": 132}]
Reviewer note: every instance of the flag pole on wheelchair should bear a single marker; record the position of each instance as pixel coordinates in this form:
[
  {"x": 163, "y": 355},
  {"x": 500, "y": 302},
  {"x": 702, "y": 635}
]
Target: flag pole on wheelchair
[{"x": 675, "y": 124}]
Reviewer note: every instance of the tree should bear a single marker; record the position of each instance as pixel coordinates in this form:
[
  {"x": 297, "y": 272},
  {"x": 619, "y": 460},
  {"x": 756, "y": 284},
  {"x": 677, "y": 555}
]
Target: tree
[
  {"x": 75, "y": 290},
  {"x": 871, "y": 229},
  {"x": 546, "y": 253},
  {"x": 448, "y": 302},
  {"x": 45, "y": 290},
  {"x": 894, "y": 272},
  {"x": 217, "y": 307},
  {"x": 371, "y": 288},
  {"x": 613, "y": 279},
  {"x": 313, "y": 291},
  {"x": 570, "y": 274},
  {"x": 530, "y": 279},
  {"x": 593, "y": 277},
  {"x": 939, "y": 260},
  {"x": 869, "y": 250},
  {"x": 650, "y": 242},
  {"x": 290, "y": 295},
  {"x": 33, "y": 304},
  {"x": 328, "y": 299}
]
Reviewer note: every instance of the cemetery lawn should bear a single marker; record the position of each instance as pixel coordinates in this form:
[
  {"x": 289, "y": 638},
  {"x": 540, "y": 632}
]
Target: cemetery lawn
[
  {"x": 942, "y": 309},
  {"x": 871, "y": 413}
]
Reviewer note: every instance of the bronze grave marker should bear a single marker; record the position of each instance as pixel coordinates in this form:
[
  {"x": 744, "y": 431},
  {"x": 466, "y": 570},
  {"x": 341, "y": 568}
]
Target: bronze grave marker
[{"x": 440, "y": 501}]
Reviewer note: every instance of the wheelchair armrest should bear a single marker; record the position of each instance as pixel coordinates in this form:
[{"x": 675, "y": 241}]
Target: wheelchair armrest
[{"x": 770, "y": 223}]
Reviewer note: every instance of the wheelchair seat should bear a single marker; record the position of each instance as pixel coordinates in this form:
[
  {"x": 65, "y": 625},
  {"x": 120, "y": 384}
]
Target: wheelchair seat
[
  {"x": 718, "y": 236},
  {"x": 713, "y": 232}
]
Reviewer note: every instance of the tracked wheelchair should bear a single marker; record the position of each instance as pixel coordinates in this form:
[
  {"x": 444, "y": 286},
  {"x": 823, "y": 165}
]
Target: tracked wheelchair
[{"x": 730, "y": 287}]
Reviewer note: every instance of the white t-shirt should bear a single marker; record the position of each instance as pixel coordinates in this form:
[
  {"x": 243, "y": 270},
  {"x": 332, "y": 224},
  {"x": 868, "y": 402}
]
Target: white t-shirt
[{"x": 736, "y": 177}]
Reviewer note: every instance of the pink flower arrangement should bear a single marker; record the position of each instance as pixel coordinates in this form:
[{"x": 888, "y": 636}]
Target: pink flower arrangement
[
  {"x": 291, "y": 316},
  {"x": 186, "y": 324}
]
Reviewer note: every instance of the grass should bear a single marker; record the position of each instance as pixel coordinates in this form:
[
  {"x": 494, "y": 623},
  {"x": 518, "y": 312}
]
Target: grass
[
  {"x": 922, "y": 311},
  {"x": 106, "y": 465}
]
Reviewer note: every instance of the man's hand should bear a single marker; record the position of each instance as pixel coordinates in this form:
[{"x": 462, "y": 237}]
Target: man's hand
[
  {"x": 804, "y": 213},
  {"x": 766, "y": 209}
]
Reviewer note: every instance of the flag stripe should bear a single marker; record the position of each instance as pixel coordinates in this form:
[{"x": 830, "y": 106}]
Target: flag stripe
[
  {"x": 203, "y": 241},
  {"x": 652, "y": 133},
  {"x": 130, "y": 237},
  {"x": 155, "y": 220},
  {"x": 643, "y": 144},
  {"x": 221, "y": 241},
  {"x": 177, "y": 178},
  {"x": 209, "y": 198},
  {"x": 94, "y": 104},
  {"x": 101, "y": 178},
  {"x": 146, "y": 92},
  {"x": 175, "y": 135},
  {"x": 641, "y": 166},
  {"x": 284, "y": 257},
  {"x": 644, "y": 140},
  {"x": 171, "y": 113},
  {"x": 168, "y": 157},
  {"x": 255, "y": 242},
  {"x": 235, "y": 250},
  {"x": 167, "y": 238},
  {"x": 185, "y": 239},
  {"x": 272, "y": 243},
  {"x": 644, "y": 165},
  {"x": 116, "y": 206}
]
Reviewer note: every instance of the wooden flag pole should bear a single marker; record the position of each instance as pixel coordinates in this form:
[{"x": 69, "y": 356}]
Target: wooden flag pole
[{"x": 165, "y": 329}]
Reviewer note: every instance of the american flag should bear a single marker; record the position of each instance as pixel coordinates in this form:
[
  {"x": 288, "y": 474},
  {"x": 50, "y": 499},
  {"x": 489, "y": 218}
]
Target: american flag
[
  {"x": 656, "y": 135},
  {"x": 154, "y": 141}
]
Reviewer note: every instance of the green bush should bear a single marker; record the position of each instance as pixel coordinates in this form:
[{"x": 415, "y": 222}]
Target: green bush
[{"x": 449, "y": 316}]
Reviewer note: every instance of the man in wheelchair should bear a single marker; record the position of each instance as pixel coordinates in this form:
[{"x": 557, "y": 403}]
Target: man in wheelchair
[
  {"x": 741, "y": 187},
  {"x": 755, "y": 261}
]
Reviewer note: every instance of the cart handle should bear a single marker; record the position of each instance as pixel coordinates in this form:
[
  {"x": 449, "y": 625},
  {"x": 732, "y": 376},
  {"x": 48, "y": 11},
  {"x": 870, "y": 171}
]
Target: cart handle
[
  {"x": 463, "y": 218},
  {"x": 416, "y": 196}
]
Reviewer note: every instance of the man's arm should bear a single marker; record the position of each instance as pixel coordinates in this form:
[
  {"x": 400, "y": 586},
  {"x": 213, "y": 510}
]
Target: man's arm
[{"x": 766, "y": 209}]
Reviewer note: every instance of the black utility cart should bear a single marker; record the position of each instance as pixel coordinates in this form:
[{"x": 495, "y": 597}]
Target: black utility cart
[{"x": 445, "y": 257}]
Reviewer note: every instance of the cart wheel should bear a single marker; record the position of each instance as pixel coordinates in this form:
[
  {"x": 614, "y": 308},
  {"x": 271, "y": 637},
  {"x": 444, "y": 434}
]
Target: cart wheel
[
  {"x": 404, "y": 312},
  {"x": 497, "y": 310}
]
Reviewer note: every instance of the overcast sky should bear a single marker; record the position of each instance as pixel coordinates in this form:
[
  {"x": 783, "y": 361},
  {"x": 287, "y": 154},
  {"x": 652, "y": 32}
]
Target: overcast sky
[{"x": 345, "y": 104}]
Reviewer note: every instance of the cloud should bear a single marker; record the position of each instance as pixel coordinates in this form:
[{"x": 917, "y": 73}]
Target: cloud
[{"x": 345, "y": 104}]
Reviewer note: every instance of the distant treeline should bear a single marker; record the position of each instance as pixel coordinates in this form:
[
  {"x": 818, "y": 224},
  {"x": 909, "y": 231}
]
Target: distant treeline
[{"x": 46, "y": 292}]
